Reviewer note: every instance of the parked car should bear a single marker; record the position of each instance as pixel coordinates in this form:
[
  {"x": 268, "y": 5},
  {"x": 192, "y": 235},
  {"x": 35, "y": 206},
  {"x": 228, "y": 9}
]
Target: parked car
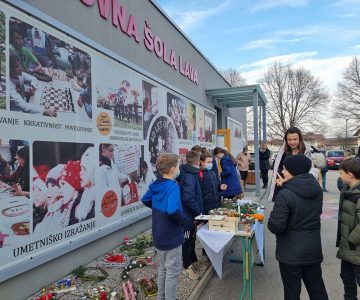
[{"x": 334, "y": 158}]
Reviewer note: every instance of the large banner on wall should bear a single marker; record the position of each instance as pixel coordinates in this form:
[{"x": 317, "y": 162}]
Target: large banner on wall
[{"x": 80, "y": 136}]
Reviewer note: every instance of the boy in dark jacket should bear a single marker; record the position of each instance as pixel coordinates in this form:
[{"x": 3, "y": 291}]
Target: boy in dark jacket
[
  {"x": 209, "y": 183},
  {"x": 168, "y": 218},
  {"x": 295, "y": 220},
  {"x": 192, "y": 204},
  {"x": 348, "y": 236}
]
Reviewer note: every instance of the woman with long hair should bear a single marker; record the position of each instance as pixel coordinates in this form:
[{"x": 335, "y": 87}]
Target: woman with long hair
[
  {"x": 293, "y": 144},
  {"x": 228, "y": 173}
]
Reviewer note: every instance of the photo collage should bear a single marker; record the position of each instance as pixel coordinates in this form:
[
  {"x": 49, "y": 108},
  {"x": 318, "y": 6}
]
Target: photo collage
[{"x": 59, "y": 173}]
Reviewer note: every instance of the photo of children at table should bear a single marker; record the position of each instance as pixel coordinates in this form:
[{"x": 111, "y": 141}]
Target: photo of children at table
[
  {"x": 64, "y": 184},
  {"x": 19, "y": 179},
  {"x": 22, "y": 87},
  {"x": 63, "y": 73}
]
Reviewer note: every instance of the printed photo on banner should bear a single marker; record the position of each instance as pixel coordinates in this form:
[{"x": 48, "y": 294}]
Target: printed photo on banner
[
  {"x": 124, "y": 100},
  {"x": 182, "y": 154},
  {"x": 48, "y": 76},
  {"x": 209, "y": 127},
  {"x": 2, "y": 61},
  {"x": 14, "y": 190},
  {"x": 151, "y": 101},
  {"x": 162, "y": 139},
  {"x": 63, "y": 185},
  {"x": 123, "y": 169},
  {"x": 177, "y": 111},
  {"x": 200, "y": 122},
  {"x": 237, "y": 138}
]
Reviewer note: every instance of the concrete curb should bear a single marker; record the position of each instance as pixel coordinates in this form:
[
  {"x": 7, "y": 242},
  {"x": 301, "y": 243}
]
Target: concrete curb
[{"x": 195, "y": 294}]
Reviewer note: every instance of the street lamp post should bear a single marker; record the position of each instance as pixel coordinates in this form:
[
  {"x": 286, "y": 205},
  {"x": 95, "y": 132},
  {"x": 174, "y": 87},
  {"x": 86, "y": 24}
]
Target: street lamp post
[{"x": 346, "y": 128}]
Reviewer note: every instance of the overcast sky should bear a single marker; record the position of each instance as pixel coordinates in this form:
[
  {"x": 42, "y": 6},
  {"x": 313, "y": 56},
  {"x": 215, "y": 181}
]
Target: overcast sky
[{"x": 320, "y": 35}]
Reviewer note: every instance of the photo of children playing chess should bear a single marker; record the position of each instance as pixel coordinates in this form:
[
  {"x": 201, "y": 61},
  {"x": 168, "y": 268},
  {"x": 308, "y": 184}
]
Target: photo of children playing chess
[
  {"x": 124, "y": 100},
  {"x": 14, "y": 190},
  {"x": 63, "y": 185},
  {"x": 123, "y": 169},
  {"x": 2, "y": 62},
  {"x": 47, "y": 75}
]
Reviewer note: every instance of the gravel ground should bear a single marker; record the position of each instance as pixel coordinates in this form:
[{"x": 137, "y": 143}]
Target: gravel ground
[{"x": 114, "y": 281}]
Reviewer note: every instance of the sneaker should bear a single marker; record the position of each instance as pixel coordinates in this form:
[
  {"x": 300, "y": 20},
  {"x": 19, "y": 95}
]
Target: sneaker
[
  {"x": 190, "y": 272},
  {"x": 325, "y": 190}
]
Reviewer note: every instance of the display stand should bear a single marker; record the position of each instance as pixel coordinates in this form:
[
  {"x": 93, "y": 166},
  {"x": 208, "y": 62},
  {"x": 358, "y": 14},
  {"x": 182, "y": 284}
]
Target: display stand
[{"x": 217, "y": 244}]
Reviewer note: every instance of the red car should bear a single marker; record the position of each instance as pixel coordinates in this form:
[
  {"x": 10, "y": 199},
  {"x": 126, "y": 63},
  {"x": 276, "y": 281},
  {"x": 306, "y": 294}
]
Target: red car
[{"x": 334, "y": 158}]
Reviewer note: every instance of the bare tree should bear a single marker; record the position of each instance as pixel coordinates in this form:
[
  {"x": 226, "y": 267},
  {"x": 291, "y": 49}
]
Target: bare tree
[
  {"x": 295, "y": 98},
  {"x": 348, "y": 95},
  {"x": 234, "y": 77}
]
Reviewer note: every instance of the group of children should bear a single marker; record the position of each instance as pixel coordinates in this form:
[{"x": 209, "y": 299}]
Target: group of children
[
  {"x": 295, "y": 220},
  {"x": 176, "y": 198},
  {"x": 184, "y": 192}
]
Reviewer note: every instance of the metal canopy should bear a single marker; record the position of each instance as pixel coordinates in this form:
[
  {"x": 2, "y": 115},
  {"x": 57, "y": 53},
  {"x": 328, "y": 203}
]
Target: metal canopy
[
  {"x": 239, "y": 96},
  {"x": 245, "y": 96}
]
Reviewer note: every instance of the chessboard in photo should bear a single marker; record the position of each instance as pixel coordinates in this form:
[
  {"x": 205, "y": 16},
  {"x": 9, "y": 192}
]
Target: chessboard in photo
[{"x": 58, "y": 99}]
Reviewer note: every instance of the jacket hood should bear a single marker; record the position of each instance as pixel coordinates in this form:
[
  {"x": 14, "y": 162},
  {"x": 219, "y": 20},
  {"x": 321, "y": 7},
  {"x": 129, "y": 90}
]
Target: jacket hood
[
  {"x": 354, "y": 190},
  {"x": 160, "y": 187},
  {"x": 190, "y": 169},
  {"x": 304, "y": 185}
]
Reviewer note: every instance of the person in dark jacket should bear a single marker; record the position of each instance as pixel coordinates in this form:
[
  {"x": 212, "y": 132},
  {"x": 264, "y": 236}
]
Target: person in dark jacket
[
  {"x": 192, "y": 203},
  {"x": 163, "y": 197},
  {"x": 210, "y": 184},
  {"x": 264, "y": 156},
  {"x": 295, "y": 220},
  {"x": 229, "y": 175},
  {"x": 348, "y": 234}
]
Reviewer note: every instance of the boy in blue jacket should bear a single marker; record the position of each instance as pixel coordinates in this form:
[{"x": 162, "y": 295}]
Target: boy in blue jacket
[
  {"x": 168, "y": 218},
  {"x": 192, "y": 204}
]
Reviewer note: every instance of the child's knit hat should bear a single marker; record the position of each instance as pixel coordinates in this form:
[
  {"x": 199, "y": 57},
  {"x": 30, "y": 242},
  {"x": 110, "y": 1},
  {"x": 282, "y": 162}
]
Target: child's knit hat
[{"x": 297, "y": 164}]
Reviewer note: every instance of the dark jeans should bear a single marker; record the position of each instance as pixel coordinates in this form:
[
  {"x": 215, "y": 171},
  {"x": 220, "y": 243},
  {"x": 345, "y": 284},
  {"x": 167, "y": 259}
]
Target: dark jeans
[
  {"x": 243, "y": 175},
  {"x": 265, "y": 176},
  {"x": 188, "y": 248},
  {"x": 350, "y": 275},
  {"x": 311, "y": 275}
]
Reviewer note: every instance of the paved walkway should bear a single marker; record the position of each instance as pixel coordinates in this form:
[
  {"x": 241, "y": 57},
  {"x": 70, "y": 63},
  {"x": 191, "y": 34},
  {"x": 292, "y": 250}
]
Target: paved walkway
[{"x": 266, "y": 280}]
